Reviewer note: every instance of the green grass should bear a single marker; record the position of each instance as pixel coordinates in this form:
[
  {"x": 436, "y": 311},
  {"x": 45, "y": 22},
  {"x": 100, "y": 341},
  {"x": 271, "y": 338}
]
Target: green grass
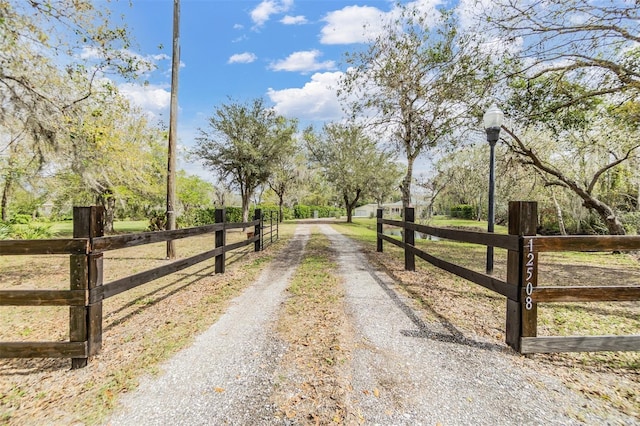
[{"x": 65, "y": 229}]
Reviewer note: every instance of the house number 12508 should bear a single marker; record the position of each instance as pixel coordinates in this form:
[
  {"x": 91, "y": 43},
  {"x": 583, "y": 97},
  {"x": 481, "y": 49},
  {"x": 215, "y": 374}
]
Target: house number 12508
[{"x": 530, "y": 265}]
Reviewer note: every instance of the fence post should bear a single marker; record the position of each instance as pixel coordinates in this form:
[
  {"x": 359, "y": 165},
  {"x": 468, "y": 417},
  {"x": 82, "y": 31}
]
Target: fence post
[
  {"x": 271, "y": 226},
  {"x": 379, "y": 229},
  {"x": 257, "y": 215},
  {"x": 278, "y": 226},
  {"x": 220, "y": 217},
  {"x": 409, "y": 239},
  {"x": 85, "y": 322},
  {"x": 521, "y": 322}
]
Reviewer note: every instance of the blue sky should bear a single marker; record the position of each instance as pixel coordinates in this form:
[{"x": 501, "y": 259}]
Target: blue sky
[{"x": 290, "y": 52}]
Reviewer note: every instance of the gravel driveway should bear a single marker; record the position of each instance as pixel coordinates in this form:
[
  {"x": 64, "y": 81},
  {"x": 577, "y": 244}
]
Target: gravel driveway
[{"x": 423, "y": 373}]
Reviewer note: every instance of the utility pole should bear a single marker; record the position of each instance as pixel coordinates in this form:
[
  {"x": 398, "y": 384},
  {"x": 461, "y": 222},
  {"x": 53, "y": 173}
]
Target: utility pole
[{"x": 173, "y": 130}]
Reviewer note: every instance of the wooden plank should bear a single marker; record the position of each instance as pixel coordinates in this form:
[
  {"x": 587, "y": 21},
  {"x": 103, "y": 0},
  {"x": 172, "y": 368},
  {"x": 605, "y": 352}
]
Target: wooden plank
[
  {"x": 409, "y": 239},
  {"x": 391, "y": 240},
  {"x": 379, "y": 230},
  {"x": 241, "y": 225},
  {"x": 132, "y": 281},
  {"x": 94, "y": 310},
  {"x": 553, "y": 344},
  {"x": 52, "y": 246},
  {"x": 43, "y": 349},
  {"x": 586, "y": 294},
  {"x": 484, "y": 280},
  {"x": 588, "y": 243},
  {"x": 43, "y": 297},
  {"x": 115, "y": 242},
  {"x": 248, "y": 241},
  {"x": 523, "y": 219},
  {"x": 508, "y": 242},
  {"x": 398, "y": 223}
]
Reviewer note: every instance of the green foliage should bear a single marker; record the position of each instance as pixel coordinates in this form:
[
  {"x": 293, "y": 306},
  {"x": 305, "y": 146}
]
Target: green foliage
[
  {"x": 20, "y": 219},
  {"x": 631, "y": 221},
  {"x": 5, "y": 231},
  {"x": 301, "y": 211},
  {"x": 244, "y": 143},
  {"x": 32, "y": 232},
  {"x": 463, "y": 211}
]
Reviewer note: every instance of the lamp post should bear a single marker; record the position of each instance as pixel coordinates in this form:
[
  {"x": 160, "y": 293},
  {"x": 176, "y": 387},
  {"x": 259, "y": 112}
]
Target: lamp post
[{"x": 492, "y": 119}]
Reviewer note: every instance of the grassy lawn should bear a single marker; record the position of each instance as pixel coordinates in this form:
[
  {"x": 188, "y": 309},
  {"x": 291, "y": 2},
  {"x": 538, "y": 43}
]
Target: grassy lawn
[{"x": 65, "y": 229}]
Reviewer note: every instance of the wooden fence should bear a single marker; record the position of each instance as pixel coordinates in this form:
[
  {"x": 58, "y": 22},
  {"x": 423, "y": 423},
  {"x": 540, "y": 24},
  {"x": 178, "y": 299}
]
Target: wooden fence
[
  {"x": 87, "y": 290},
  {"x": 521, "y": 286}
]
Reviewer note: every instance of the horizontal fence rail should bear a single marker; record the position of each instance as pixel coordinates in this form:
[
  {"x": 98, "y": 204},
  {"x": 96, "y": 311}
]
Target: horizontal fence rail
[
  {"x": 87, "y": 290},
  {"x": 521, "y": 287}
]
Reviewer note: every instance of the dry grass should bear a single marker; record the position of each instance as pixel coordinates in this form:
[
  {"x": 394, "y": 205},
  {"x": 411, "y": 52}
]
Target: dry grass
[
  {"x": 311, "y": 385},
  {"x": 142, "y": 327}
]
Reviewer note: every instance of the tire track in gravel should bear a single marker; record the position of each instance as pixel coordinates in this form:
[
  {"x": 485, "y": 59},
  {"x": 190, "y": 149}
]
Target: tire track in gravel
[
  {"x": 225, "y": 377},
  {"x": 407, "y": 371}
]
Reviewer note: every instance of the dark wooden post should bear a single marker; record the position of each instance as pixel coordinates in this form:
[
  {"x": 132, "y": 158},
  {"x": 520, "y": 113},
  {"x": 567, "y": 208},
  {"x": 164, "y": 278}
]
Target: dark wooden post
[
  {"x": 278, "y": 225},
  {"x": 85, "y": 322},
  {"x": 521, "y": 317},
  {"x": 409, "y": 239},
  {"x": 257, "y": 215},
  {"x": 221, "y": 237},
  {"x": 271, "y": 226},
  {"x": 379, "y": 229}
]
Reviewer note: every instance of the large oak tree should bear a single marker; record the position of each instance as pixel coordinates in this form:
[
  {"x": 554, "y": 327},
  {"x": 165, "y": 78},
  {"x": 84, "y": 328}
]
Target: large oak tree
[{"x": 243, "y": 143}]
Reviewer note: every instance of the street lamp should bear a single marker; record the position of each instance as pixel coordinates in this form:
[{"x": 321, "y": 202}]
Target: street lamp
[{"x": 492, "y": 121}]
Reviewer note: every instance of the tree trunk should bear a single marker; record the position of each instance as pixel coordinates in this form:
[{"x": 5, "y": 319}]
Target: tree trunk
[
  {"x": 246, "y": 196},
  {"x": 563, "y": 230},
  {"x": 607, "y": 215},
  {"x": 5, "y": 198},
  {"x": 107, "y": 200},
  {"x": 406, "y": 184},
  {"x": 280, "y": 206},
  {"x": 350, "y": 205}
]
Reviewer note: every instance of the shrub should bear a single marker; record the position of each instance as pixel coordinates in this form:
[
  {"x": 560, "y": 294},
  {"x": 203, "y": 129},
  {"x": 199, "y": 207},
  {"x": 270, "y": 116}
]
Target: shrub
[
  {"x": 302, "y": 212},
  {"x": 6, "y": 231},
  {"x": 20, "y": 219},
  {"x": 631, "y": 221},
  {"x": 32, "y": 232},
  {"x": 462, "y": 211}
]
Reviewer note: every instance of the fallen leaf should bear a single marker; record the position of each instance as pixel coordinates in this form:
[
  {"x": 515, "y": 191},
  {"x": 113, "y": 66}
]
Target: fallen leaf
[
  {"x": 219, "y": 390},
  {"x": 376, "y": 393}
]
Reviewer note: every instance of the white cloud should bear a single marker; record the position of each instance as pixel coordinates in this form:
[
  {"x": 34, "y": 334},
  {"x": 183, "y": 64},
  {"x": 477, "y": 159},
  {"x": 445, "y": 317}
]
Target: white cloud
[
  {"x": 317, "y": 100},
  {"x": 352, "y": 24},
  {"x": 303, "y": 61},
  {"x": 161, "y": 56},
  {"x": 153, "y": 99},
  {"x": 262, "y": 13},
  {"x": 362, "y": 24},
  {"x": 242, "y": 58},
  {"x": 294, "y": 20}
]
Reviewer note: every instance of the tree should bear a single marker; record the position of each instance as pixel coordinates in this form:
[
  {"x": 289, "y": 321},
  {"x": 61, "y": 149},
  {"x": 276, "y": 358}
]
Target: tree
[
  {"x": 286, "y": 176},
  {"x": 37, "y": 36},
  {"x": 595, "y": 43},
  {"x": 582, "y": 157},
  {"x": 112, "y": 150},
  {"x": 349, "y": 159},
  {"x": 243, "y": 143},
  {"x": 417, "y": 84}
]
